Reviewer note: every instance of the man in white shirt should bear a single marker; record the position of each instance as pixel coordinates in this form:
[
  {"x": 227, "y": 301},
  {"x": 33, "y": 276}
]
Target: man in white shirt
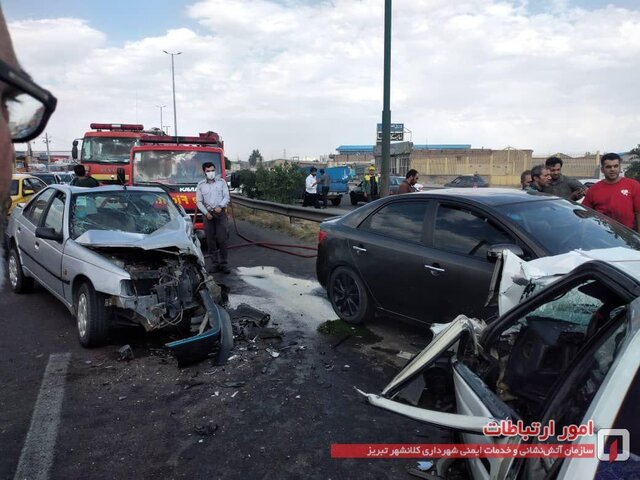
[
  {"x": 212, "y": 198},
  {"x": 311, "y": 189}
]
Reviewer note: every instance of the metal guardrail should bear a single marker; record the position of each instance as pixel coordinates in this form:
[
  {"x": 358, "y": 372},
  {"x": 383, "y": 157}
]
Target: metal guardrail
[{"x": 292, "y": 211}]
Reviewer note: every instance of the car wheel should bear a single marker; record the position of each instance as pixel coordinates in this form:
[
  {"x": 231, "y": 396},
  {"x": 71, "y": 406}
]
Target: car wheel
[
  {"x": 336, "y": 201},
  {"x": 17, "y": 279},
  {"x": 354, "y": 200},
  {"x": 349, "y": 297},
  {"x": 91, "y": 317}
]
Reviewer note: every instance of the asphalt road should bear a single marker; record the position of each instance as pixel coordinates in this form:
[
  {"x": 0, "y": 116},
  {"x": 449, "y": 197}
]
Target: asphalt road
[{"x": 75, "y": 413}]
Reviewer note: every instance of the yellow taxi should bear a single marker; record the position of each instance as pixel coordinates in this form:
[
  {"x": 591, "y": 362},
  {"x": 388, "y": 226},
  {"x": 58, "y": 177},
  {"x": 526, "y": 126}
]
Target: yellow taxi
[{"x": 22, "y": 187}]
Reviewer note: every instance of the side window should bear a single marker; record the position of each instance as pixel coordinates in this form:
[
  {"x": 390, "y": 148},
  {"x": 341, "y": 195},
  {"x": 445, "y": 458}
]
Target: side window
[
  {"x": 537, "y": 348},
  {"x": 34, "y": 210},
  {"x": 466, "y": 232},
  {"x": 401, "y": 220},
  {"x": 34, "y": 184},
  {"x": 55, "y": 214}
]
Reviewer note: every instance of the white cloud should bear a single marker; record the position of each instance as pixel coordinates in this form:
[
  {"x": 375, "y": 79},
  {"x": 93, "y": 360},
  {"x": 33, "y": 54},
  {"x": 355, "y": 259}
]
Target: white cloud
[{"x": 308, "y": 77}]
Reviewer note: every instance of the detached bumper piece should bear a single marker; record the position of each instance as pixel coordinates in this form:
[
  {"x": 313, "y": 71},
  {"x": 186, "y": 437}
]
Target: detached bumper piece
[{"x": 216, "y": 342}]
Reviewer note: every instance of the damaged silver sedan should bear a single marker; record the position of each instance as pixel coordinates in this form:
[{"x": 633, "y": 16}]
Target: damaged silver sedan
[
  {"x": 567, "y": 355},
  {"x": 114, "y": 254}
]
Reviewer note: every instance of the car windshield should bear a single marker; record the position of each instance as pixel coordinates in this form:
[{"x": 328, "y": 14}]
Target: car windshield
[
  {"x": 560, "y": 226},
  {"x": 172, "y": 166},
  {"x": 122, "y": 210},
  {"x": 107, "y": 149},
  {"x": 14, "y": 187},
  {"x": 48, "y": 179}
]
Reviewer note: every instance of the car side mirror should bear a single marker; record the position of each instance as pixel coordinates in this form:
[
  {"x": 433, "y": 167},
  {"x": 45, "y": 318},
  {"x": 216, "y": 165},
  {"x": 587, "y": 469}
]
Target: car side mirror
[
  {"x": 74, "y": 150},
  {"x": 28, "y": 192},
  {"x": 48, "y": 233},
  {"x": 495, "y": 251}
]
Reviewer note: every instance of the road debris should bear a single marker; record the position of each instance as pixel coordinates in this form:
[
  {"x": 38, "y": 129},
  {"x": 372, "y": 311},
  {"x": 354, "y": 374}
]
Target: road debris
[
  {"x": 273, "y": 353},
  {"x": 125, "y": 353},
  {"x": 206, "y": 430}
]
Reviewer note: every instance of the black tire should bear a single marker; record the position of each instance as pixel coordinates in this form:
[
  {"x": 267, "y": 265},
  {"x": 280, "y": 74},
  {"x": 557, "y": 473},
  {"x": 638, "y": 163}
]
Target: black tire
[
  {"x": 349, "y": 297},
  {"x": 226, "y": 337},
  {"x": 354, "y": 200},
  {"x": 92, "y": 319},
  {"x": 336, "y": 201},
  {"x": 17, "y": 279}
]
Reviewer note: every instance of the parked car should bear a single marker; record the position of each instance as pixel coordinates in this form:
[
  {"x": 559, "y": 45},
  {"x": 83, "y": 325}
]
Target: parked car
[
  {"x": 357, "y": 193},
  {"x": 50, "y": 178},
  {"x": 588, "y": 182},
  {"x": 568, "y": 354},
  {"x": 23, "y": 186},
  {"x": 428, "y": 256},
  {"x": 113, "y": 253},
  {"x": 467, "y": 181}
]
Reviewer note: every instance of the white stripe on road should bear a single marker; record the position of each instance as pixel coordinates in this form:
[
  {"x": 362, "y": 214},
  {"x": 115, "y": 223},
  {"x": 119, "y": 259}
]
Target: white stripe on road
[{"x": 37, "y": 453}]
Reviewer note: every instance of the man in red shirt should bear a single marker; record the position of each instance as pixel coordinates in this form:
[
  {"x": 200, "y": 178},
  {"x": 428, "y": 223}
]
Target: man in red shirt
[{"x": 615, "y": 196}]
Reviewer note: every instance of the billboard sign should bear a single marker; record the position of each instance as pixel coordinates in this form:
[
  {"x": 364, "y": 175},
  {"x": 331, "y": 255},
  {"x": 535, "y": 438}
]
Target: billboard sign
[{"x": 397, "y": 132}]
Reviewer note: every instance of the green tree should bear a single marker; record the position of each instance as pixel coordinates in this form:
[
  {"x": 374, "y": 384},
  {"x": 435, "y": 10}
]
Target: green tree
[
  {"x": 281, "y": 184},
  {"x": 255, "y": 157},
  {"x": 227, "y": 163},
  {"x": 634, "y": 169}
]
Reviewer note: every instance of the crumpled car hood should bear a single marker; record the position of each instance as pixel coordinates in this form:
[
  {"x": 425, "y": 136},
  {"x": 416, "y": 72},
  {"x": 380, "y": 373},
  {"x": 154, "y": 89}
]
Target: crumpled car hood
[
  {"x": 521, "y": 279},
  {"x": 173, "y": 234}
]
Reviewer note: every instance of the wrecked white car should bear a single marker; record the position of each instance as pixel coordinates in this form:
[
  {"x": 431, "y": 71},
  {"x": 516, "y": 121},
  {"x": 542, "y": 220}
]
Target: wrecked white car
[
  {"x": 570, "y": 353},
  {"x": 114, "y": 254}
]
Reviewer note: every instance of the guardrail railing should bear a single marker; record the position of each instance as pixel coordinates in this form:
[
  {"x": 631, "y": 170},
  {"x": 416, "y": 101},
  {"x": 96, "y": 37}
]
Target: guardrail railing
[{"x": 292, "y": 211}]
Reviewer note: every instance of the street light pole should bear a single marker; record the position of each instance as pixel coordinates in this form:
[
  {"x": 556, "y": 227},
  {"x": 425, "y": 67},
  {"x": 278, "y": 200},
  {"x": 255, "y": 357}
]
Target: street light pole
[
  {"x": 173, "y": 85},
  {"x": 161, "y": 107},
  {"x": 386, "y": 103}
]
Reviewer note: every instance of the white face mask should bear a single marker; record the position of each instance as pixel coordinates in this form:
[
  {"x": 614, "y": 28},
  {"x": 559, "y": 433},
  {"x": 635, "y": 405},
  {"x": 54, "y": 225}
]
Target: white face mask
[{"x": 211, "y": 175}]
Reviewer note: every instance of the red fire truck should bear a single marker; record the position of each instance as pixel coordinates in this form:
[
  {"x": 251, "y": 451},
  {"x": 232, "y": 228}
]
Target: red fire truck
[
  {"x": 108, "y": 147},
  {"x": 176, "y": 163}
]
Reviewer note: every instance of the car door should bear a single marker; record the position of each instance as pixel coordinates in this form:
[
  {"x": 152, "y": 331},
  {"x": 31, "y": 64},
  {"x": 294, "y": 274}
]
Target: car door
[
  {"x": 388, "y": 250},
  {"x": 26, "y": 231},
  {"x": 460, "y": 237},
  {"x": 49, "y": 252}
]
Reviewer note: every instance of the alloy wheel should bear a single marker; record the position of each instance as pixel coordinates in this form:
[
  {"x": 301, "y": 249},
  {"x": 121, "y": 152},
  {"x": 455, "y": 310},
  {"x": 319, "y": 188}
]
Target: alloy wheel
[
  {"x": 13, "y": 271},
  {"x": 81, "y": 314},
  {"x": 346, "y": 295}
]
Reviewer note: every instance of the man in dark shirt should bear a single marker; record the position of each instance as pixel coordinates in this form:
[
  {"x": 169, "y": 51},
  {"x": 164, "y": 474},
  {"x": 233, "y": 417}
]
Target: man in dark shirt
[
  {"x": 560, "y": 185},
  {"x": 324, "y": 184},
  {"x": 82, "y": 179},
  {"x": 410, "y": 179}
]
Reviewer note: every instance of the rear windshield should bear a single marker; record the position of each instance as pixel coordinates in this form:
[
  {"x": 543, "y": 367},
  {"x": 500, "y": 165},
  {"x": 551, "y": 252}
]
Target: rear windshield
[{"x": 560, "y": 226}]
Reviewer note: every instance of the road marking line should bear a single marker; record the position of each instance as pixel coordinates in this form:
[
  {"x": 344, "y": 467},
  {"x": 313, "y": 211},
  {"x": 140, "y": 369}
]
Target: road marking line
[{"x": 37, "y": 453}]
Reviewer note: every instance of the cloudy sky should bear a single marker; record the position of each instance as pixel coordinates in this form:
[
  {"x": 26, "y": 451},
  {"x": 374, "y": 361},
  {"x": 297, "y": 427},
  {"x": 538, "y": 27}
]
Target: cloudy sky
[{"x": 304, "y": 76}]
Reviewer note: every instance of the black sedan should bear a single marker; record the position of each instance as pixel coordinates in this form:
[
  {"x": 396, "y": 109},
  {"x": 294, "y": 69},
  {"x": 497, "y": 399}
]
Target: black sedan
[
  {"x": 467, "y": 181},
  {"x": 429, "y": 256}
]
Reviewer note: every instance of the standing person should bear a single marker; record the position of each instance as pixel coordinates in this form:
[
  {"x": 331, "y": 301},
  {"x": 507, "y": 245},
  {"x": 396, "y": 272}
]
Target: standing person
[
  {"x": 82, "y": 179},
  {"x": 410, "y": 179},
  {"x": 212, "y": 198},
  {"x": 615, "y": 196},
  {"x": 325, "y": 185},
  {"x": 561, "y": 185},
  {"x": 540, "y": 177},
  {"x": 311, "y": 189},
  {"x": 26, "y": 109},
  {"x": 370, "y": 185},
  {"x": 525, "y": 179}
]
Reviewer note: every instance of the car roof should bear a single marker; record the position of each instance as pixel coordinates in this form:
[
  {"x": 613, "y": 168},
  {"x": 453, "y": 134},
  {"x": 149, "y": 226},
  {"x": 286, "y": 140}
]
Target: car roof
[
  {"x": 107, "y": 188},
  {"x": 486, "y": 196}
]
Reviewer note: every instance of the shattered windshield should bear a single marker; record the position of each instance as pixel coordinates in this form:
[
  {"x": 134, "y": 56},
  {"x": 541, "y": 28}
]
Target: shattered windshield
[
  {"x": 122, "y": 210},
  {"x": 107, "y": 149},
  {"x": 561, "y": 226},
  {"x": 171, "y": 167}
]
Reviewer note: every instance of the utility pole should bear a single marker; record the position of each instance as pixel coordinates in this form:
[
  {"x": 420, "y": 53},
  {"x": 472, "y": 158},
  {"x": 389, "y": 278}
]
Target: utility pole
[
  {"x": 386, "y": 103},
  {"x": 173, "y": 86},
  {"x": 47, "y": 141},
  {"x": 161, "y": 107}
]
